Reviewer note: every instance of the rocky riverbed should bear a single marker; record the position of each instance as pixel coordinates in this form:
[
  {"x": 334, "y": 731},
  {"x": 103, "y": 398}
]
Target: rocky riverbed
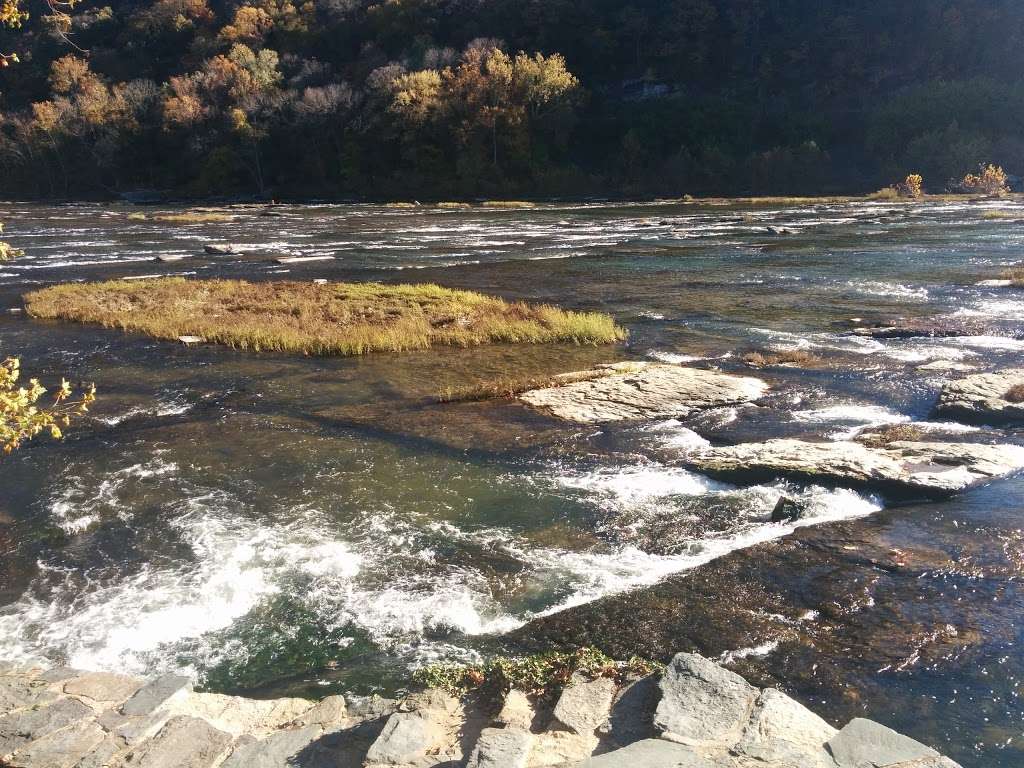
[{"x": 693, "y": 715}]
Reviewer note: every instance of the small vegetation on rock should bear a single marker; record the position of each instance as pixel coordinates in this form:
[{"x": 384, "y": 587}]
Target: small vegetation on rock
[
  {"x": 1015, "y": 275},
  {"x": 541, "y": 674},
  {"x": 879, "y": 437},
  {"x": 508, "y": 204},
  {"x": 195, "y": 217},
  {"x": 797, "y": 357},
  {"x": 510, "y": 387},
  {"x": 307, "y": 318},
  {"x": 1015, "y": 394}
]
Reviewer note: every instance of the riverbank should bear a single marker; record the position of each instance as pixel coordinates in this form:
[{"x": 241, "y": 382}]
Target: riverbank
[{"x": 695, "y": 714}]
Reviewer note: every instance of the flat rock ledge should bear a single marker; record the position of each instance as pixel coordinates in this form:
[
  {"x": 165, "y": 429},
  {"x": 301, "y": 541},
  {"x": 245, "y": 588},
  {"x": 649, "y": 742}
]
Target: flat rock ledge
[
  {"x": 637, "y": 391},
  {"x": 901, "y": 468},
  {"x": 982, "y": 398},
  {"x": 695, "y": 715}
]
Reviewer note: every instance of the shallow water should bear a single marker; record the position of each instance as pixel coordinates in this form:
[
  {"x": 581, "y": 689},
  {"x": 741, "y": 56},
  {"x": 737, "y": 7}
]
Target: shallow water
[{"x": 276, "y": 524}]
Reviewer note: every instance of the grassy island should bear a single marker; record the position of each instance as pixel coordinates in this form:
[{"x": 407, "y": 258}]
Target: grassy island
[{"x": 316, "y": 319}]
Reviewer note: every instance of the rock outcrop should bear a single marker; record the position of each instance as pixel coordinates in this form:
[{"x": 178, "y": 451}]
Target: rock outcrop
[
  {"x": 902, "y": 467},
  {"x": 984, "y": 398},
  {"x": 696, "y": 715},
  {"x": 636, "y": 391}
]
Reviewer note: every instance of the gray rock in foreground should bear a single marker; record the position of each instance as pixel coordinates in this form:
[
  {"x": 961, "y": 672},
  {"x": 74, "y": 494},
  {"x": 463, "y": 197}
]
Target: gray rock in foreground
[
  {"x": 702, "y": 703},
  {"x": 636, "y": 391},
  {"x": 982, "y": 398},
  {"x": 863, "y": 742},
  {"x": 705, "y": 717},
  {"x": 938, "y": 469}
]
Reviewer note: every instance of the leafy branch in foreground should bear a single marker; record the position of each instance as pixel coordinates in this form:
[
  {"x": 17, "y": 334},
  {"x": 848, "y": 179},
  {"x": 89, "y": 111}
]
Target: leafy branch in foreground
[
  {"x": 538, "y": 675},
  {"x": 20, "y": 416}
]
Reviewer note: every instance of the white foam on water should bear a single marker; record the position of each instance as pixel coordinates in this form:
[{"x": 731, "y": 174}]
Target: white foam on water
[
  {"x": 998, "y": 343},
  {"x": 896, "y": 290},
  {"x": 756, "y": 651},
  {"x": 587, "y": 576},
  {"x": 127, "y": 624},
  {"x": 672, "y": 434},
  {"x": 636, "y": 485},
  {"x": 673, "y": 358},
  {"x": 858, "y": 417},
  {"x": 988, "y": 307},
  {"x": 77, "y": 507}
]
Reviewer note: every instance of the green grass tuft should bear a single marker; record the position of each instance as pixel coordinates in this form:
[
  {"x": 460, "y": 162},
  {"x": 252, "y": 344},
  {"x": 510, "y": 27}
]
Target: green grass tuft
[{"x": 307, "y": 318}]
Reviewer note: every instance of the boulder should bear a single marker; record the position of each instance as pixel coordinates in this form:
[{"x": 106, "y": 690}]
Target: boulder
[
  {"x": 501, "y": 748},
  {"x": 636, "y": 391},
  {"x": 867, "y": 743},
  {"x": 650, "y": 753},
  {"x": 516, "y": 712},
  {"x": 60, "y": 749},
  {"x": 584, "y": 703},
  {"x": 983, "y": 398},
  {"x": 185, "y": 742},
  {"x": 787, "y": 509},
  {"x": 702, "y": 704},
  {"x": 901, "y": 467},
  {"x": 102, "y": 687},
  {"x": 18, "y": 729},
  {"x": 275, "y": 751},
  {"x": 329, "y": 712},
  {"x": 407, "y": 738},
  {"x": 781, "y": 729},
  {"x": 220, "y": 249},
  {"x": 632, "y": 713},
  {"x": 155, "y": 694}
]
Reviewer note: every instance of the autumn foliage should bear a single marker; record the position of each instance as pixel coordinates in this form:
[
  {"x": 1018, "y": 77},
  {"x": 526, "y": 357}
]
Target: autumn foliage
[
  {"x": 990, "y": 180},
  {"x": 445, "y": 99}
]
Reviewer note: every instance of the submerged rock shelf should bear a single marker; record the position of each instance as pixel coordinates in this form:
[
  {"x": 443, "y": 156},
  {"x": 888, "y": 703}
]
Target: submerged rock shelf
[{"x": 695, "y": 715}]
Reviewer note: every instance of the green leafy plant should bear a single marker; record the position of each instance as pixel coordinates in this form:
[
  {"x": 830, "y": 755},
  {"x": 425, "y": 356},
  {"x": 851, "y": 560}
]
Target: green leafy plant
[{"x": 540, "y": 674}]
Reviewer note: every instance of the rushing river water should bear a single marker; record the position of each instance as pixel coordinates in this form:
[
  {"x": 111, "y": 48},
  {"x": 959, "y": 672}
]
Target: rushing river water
[{"x": 273, "y": 523}]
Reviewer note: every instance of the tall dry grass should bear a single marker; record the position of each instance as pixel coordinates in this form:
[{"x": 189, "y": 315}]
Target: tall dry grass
[{"x": 331, "y": 319}]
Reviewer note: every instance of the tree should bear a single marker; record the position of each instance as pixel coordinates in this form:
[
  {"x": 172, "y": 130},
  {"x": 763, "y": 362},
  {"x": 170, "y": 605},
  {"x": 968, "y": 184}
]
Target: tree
[
  {"x": 21, "y": 418},
  {"x": 990, "y": 180},
  {"x": 911, "y": 186}
]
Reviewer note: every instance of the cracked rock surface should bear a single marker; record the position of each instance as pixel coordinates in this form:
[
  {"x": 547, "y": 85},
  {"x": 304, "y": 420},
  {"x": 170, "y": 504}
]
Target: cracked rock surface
[{"x": 636, "y": 391}]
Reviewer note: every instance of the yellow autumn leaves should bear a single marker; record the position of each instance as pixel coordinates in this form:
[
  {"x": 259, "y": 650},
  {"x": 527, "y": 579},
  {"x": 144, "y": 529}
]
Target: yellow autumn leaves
[{"x": 21, "y": 418}]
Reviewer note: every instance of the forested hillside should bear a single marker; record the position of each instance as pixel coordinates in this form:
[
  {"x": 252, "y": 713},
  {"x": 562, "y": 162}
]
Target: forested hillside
[{"x": 449, "y": 98}]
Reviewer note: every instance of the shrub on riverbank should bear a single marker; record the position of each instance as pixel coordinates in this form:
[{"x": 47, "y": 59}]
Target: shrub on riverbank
[{"x": 330, "y": 319}]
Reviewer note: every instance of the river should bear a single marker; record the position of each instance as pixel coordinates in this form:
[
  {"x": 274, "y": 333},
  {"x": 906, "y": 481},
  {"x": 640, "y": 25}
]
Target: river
[{"x": 308, "y": 525}]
